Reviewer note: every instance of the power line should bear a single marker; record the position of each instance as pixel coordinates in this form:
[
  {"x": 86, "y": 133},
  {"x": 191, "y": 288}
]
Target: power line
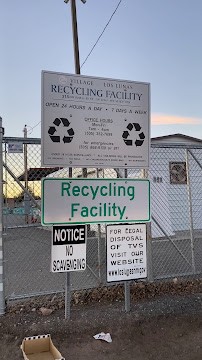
[
  {"x": 119, "y": 3},
  {"x": 32, "y": 127},
  {"x": 101, "y": 33}
]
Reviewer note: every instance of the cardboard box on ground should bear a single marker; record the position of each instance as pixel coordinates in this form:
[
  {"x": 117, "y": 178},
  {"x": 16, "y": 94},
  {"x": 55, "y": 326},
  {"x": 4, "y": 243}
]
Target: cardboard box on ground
[{"x": 40, "y": 348}]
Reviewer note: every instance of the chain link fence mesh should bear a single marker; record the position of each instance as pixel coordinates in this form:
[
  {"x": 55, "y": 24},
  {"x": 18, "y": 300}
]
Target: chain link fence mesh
[{"x": 176, "y": 226}]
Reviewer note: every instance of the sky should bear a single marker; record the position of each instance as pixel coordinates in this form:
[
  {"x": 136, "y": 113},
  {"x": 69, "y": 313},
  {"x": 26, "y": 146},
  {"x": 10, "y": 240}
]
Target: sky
[{"x": 155, "y": 41}]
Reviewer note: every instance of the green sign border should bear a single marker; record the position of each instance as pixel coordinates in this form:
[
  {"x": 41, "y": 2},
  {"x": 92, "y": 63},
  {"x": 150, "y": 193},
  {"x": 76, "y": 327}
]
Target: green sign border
[{"x": 92, "y": 222}]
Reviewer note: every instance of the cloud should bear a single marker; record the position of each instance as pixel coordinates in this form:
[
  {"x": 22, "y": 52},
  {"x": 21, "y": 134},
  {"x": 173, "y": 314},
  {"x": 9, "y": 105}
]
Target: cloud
[{"x": 163, "y": 119}]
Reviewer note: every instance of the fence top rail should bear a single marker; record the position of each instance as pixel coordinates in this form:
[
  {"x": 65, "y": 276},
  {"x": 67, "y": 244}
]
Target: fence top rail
[
  {"x": 176, "y": 145},
  {"x": 35, "y": 141}
]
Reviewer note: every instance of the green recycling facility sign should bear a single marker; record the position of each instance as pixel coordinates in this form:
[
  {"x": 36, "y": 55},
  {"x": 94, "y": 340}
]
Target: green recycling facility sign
[{"x": 77, "y": 201}]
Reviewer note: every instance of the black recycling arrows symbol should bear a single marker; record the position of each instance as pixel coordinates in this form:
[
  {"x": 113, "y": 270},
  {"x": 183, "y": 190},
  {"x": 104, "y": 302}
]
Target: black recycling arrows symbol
[
  {"x": 65, "y": 122},
  {"x": 52, "y": 131},
  {"x": 67, "y": 139},
  {"x": 55, "y": 138},
  {"x": 70, "y": 132},
  {"x": 142, "y": 137},
  {"x": 137, "y": 126},
  {"x": 57, "y": 122},
  {"x": 127, "y": 135}
]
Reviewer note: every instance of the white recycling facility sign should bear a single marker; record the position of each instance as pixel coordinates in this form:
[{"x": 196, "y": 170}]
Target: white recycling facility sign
[{"x": 94, "y": 122}]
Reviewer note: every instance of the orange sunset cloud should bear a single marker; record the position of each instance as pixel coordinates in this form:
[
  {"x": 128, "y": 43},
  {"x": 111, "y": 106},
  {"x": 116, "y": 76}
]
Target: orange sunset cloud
[{"x": 162, "y": 119}]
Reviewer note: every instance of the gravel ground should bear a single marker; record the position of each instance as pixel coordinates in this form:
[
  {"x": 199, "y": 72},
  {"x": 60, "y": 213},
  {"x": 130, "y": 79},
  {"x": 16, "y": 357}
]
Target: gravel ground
[{"x": 163, "y": 328}]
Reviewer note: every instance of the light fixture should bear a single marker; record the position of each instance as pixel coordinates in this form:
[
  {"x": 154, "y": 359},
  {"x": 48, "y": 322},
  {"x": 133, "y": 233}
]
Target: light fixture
[{"x": 83, "y": 1}]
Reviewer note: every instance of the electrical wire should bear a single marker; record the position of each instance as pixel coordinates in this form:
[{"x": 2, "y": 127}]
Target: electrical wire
[
  {"x": 32, "y": 127},
  {"x": 119, "y": 3},
  {"x": 101, "y": 33}
]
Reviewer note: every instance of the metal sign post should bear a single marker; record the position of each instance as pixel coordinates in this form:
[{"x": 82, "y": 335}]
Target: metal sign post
[
  {"x": 127, "y": 295},
  {"x": 126, "y": 283},
  {"x": 77, "y": 71},
  {"x": 68, "y": 296}
]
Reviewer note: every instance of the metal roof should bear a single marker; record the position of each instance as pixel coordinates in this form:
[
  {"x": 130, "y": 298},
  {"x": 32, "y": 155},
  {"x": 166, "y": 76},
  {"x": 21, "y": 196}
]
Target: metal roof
[
  {"x": 177, "y": 136},
  {"x": 36, "y": 174}
]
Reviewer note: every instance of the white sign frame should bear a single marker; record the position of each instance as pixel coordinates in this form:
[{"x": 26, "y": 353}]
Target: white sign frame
[
  {"x": 126, "y": 252},
  {"x": 71, "y": 254},
  {"x": 108, "y": 121},
  {"x": 92, "y": 201}
]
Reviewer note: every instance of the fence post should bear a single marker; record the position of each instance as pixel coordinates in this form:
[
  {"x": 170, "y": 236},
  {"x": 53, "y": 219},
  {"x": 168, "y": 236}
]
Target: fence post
[
  {"x": 2, "y": 295},
  {"x": 190, "y": 213},
  {"x": 26, "y": 198},
  {"x": 150, "y": 277}
]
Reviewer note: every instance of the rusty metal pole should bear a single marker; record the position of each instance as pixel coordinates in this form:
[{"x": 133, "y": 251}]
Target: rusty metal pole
[
  {"x": 84, "y": 170},
  {"x": 76, "y": 51},
  {"x": 75, "y": 37}
]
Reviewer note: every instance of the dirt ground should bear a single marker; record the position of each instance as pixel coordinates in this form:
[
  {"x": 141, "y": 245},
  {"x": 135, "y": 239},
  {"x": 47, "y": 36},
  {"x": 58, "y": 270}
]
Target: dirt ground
[{"x": 169, "y": 327}]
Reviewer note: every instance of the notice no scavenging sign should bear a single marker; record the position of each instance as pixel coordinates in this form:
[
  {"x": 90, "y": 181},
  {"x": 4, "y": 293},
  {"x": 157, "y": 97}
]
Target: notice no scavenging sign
[{"x": 68, "y": 251}]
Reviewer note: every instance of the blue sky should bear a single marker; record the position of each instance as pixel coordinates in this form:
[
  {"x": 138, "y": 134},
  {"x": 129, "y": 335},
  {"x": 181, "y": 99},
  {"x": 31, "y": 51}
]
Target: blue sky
[{"x": 157, "y": 41}]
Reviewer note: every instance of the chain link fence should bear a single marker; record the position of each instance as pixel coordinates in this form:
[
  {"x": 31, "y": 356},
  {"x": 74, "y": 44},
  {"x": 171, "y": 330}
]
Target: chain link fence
[{"x": 175, "y": 247}]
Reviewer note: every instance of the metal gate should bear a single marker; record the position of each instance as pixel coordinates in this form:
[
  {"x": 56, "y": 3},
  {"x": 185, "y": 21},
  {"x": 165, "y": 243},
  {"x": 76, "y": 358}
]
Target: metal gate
[
  {"x": 176, "y": 178},
  {"x": 175, "y": 248}
]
